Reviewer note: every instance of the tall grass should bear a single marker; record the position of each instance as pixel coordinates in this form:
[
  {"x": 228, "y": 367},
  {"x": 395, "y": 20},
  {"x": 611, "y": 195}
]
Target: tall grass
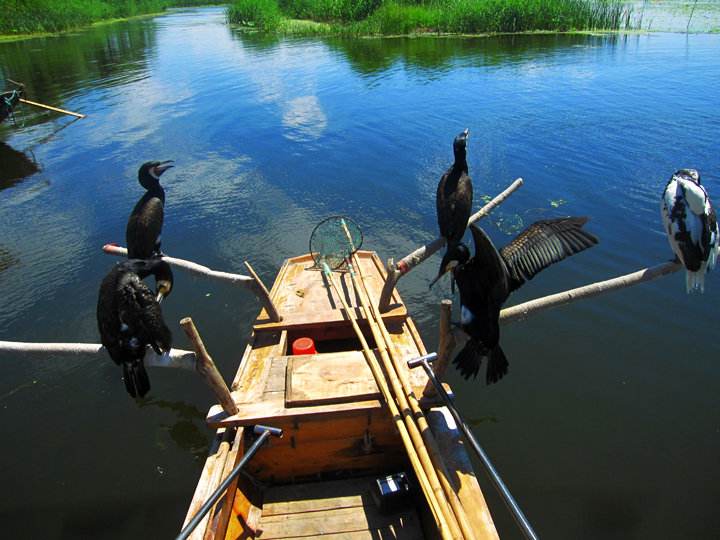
[
  {"x": 29, "y": 16},
  {"x": 263, "y": 14},
  {"x": 449, "y": 16}
]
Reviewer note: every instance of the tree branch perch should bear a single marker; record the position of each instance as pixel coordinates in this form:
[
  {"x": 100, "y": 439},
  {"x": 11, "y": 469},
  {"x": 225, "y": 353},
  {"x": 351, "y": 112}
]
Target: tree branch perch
[
  {"x": 251, "y": 282},
  {"x": 522, "y": 311},
  {"x": 177, "y": 358}
]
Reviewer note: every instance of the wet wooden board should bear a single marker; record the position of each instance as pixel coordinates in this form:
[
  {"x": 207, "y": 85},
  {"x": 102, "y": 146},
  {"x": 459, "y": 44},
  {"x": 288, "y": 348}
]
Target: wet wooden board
[
  {"x": 304, "y": 298},
  {"x": 329, "y": 378}
]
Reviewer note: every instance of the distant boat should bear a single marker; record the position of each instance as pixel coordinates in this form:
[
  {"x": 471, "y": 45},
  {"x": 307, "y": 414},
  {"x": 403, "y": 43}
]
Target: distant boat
[{"x": 8, "y": 102}]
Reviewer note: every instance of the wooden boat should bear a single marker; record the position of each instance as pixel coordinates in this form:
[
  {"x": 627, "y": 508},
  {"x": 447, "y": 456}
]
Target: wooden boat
[
  {"x": 320, "y": 478},
  {"x": 8, "y": 102}
]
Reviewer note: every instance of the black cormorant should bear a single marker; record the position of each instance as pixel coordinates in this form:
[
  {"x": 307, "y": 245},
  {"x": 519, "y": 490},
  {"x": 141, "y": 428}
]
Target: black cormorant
[
  {"x": 487, "y": 279},
  {"x": 691, "y": 225},
  {"x": 454, "y": 200},
  {"x": 146, "y": 220},
  {"x": 129, "y": 318}
]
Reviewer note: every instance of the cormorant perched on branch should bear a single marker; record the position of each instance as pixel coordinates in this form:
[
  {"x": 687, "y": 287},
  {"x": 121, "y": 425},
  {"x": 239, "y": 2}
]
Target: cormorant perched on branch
[
  {"x": 146, "y": 220},
  {"x": 487, "y": 279},
  {"x": 691, "y": 225},
  {"x": 129, "y": 318},
  {"x": 454, "y": 200}
]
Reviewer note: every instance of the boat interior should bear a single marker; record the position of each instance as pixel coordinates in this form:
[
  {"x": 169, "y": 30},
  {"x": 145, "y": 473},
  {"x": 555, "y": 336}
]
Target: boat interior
[{"x": 340, "y": 469}]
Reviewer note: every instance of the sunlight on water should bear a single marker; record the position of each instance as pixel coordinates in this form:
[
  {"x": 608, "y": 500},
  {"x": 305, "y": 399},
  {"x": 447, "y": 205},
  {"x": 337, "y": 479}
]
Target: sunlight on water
[{"x": 604, "y": 398}]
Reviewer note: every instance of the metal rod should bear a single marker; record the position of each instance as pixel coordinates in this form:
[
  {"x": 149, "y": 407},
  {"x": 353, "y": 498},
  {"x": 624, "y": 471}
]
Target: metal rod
[
  {"x": 502, "y": 489},
  {"x": 264, "y": 432}
]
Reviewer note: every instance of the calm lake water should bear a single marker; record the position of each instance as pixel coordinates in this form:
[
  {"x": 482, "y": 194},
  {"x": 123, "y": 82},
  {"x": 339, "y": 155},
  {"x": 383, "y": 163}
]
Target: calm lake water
[{"x": 607, "y": 425}]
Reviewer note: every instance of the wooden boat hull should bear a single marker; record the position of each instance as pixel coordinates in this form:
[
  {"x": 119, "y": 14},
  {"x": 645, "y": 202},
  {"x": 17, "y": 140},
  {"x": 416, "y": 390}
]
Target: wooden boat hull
[{"x": 339, "y": 436}]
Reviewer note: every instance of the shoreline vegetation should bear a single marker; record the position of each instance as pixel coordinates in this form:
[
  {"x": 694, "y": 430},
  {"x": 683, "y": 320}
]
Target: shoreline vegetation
[
  {"x": 406, "y": 17},
  {"x": 33, "y": 18},
  {"x": 24, "y": 19}
]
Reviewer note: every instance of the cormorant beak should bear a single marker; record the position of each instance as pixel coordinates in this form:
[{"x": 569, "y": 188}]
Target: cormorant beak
[
  {"x": 163, "y": 290},
  {"x": 162, "y": 167},
  {"x": 466, "y": 133}
]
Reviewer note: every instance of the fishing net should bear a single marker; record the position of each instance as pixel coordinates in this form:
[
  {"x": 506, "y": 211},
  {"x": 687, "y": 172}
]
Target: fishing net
[{"x": 334, "y": 240}]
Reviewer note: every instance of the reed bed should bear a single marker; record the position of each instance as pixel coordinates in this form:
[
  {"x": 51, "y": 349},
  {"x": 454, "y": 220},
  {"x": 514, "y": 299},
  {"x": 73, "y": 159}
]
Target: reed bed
[
  {"x": 35, "y": 16},
  {"x": 390, "y": 17}
]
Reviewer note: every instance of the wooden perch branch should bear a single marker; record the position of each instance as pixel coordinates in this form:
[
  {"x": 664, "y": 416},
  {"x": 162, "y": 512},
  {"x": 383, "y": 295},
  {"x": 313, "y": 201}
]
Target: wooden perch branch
[
  {"x": 407, "y": 263},
  {"x": 177, "y": 358},
  {"x": 252, "y": 282},
  {"x": 206, "y": 367},
  {"x": 522, "y": 311},
  {"x": 446, "y": 345}
]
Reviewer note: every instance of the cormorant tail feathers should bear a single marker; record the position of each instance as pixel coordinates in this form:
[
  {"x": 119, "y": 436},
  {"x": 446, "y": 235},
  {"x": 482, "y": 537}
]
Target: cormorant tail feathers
[
  {"x": 497, "y": 365},
  {"x": 136, "y": 379},
  {"x": 469, "y": 360}
]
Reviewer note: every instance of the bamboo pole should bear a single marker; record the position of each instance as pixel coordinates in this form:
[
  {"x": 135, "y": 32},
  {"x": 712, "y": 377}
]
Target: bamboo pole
[
  {"x": 251, "y": 282},
  {"x": 446, "y": 345},
  {"x": 176, "y": 358},
  {"x": 522, "y": 311},
  {"x": 407, "y": 263},
  {"x": 49, "y": 108},
  {"x": 440, "y": 517},
  {"x": 206, "y": 367},
  {"x": 406, "y": 398}
]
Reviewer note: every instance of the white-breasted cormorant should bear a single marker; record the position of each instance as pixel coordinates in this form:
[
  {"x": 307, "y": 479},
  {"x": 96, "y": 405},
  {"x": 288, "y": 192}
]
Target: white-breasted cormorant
[
  {"x": 691, "y": 226},
  {"x": 146, "y": 220},
  {"x": 129, "y": 318},
  {"x": 487, "y": 279},
  {"x": 454, "y": 200}
]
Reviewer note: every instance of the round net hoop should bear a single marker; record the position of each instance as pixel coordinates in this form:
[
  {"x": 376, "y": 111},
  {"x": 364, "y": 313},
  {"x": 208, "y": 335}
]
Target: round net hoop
[{"x": 334, "y": 240}]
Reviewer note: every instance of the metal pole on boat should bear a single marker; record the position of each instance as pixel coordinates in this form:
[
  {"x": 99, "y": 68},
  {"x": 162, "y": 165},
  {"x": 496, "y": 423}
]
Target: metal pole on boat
[
  {"x": 264, "y": 432},
  {"x": 502, "y": 489}
]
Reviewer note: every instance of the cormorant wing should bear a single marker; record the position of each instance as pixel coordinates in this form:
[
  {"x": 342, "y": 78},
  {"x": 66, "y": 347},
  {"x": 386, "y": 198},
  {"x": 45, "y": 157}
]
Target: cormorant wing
[
  {"x": 544, "y": 243},
  {"x": 140, "y": 310}
]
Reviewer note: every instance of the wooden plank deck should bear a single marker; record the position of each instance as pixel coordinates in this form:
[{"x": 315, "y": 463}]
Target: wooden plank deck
[
  {"x": 304, "y": 298},
  {"x": 332, "y": 510}
]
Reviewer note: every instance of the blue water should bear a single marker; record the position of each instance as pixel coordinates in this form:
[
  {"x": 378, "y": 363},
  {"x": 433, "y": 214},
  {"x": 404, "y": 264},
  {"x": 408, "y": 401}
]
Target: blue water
[{"x": 607, "y": 424}]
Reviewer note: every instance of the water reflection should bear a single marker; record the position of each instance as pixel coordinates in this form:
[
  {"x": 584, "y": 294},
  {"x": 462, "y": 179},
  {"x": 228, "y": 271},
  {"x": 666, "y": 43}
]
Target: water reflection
[
  {"x": 434, "y": 56},
  {"x": 55, "y": 68},
  {"x": 188, "y": 431},
  {"x": 7, "y": 259},
  {"x": 15, "y": 167}
]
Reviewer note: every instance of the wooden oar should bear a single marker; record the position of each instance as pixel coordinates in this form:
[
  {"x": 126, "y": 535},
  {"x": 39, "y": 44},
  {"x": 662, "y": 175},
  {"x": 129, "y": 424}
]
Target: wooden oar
[
  {"x": 49, "y": 108},
  {"x": 440, "y": 517}
]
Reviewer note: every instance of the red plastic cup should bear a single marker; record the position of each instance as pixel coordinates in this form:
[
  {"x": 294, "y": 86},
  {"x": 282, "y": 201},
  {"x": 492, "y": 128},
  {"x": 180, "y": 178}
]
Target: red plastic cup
[{"x": 303, "y": 345}]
